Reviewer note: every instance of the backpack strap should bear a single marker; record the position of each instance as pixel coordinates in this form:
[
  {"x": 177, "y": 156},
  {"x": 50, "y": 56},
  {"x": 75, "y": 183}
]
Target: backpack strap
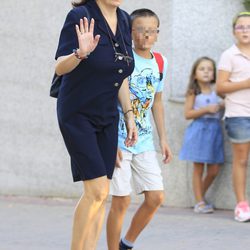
[{"x": 160, "y": 62}]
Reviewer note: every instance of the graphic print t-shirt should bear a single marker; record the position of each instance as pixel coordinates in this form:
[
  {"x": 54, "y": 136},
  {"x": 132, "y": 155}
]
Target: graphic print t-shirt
[{"x": 143, "y": 84}]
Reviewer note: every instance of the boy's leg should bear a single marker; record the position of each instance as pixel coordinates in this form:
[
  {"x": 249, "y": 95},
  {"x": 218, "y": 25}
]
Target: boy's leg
[
  {"x": 212, "y": 172},
  {"x": 153, "y": 200},
  {"x": 115, "y": 219},
  {"x": 120, "y": 189},
  {"x": 147, "y": 179}
]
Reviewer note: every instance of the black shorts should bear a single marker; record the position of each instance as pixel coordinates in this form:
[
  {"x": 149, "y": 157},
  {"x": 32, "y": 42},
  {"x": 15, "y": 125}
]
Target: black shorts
[{"x": 92, "y": 148}]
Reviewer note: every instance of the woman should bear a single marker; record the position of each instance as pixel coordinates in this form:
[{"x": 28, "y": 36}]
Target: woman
[{"x": 95, "y": 60}]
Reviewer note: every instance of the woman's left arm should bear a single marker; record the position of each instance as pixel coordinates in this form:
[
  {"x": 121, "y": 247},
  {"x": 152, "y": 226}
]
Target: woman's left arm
[
  {"x": 124, "y": 99},
  {"x": 158, "y": 114}
]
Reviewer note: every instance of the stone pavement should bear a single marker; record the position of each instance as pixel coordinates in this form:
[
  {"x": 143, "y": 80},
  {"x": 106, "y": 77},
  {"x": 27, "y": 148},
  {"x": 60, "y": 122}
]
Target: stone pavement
[{"x": 45, "y": 224}]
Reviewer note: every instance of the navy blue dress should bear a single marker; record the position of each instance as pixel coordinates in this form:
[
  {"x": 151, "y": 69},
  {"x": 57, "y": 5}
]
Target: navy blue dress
[{"x": 87, "y": 101}]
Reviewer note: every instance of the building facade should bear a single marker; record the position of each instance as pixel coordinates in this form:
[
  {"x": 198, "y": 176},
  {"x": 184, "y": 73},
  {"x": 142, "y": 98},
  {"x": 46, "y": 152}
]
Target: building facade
[{"x": 33, "y": 158}]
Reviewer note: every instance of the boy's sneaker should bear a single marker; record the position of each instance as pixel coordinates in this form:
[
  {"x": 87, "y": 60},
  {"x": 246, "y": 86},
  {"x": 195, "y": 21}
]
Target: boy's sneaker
[
  {"x": 203, "y": 208},
  {"x": 242, "y": 212},
  {"x": 123, "y": 246}
]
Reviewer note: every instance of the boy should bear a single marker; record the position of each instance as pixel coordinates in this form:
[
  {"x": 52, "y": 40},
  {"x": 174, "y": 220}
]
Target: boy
[{"x": 140, "y": 161}]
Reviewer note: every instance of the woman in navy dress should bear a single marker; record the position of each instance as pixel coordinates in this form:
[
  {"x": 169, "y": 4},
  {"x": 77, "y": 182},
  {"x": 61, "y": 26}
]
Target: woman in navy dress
[{"x": 94, "y": 56}]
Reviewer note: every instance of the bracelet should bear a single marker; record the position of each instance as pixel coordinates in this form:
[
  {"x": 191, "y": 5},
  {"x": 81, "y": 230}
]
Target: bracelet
[
  {"x": 77, "y": 55},
  {"x": 130, "y": 110}
]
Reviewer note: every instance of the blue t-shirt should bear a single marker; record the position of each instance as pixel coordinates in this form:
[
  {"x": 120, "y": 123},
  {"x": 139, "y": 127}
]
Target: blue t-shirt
[{"x": 143, "y": 84}]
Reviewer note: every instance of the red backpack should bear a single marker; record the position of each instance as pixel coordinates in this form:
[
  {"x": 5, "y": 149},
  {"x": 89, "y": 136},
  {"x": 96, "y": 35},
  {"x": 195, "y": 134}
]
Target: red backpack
[{"x": 160, "y": 62}]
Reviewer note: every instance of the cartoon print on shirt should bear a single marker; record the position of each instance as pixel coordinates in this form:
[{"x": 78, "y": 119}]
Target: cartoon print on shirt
[{"x": 142, "y": 94}]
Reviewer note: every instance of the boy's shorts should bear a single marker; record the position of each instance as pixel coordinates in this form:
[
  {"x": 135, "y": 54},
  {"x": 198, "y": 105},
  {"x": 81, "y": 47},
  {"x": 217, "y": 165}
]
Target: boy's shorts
[
  {"x": 145, "y": 170},
  {"x": 238, "y": 129}
]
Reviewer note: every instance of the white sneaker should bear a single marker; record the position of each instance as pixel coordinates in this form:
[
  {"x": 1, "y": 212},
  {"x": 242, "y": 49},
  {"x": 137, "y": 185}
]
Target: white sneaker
[
  {"x": 242, "y": 212},
  {"x": 203, "y": 208}
]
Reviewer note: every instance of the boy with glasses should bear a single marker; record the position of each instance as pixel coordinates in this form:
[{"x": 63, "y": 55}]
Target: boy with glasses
[{"x": 140, "y": 161}]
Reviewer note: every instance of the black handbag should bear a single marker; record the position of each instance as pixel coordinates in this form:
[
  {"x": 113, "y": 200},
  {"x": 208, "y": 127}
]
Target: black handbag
[{"x": 55, "y": 85}]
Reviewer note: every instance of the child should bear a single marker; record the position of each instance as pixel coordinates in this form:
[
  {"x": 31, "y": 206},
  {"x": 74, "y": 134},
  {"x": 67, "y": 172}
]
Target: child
[
  {"x": 234, "y": 82},
  {"x": 203, "y": 141},
  {"x": 140, "y": 161}
]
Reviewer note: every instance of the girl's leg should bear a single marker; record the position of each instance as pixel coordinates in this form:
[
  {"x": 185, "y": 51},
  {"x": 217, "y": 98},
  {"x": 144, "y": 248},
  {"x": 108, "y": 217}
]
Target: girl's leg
[
  {"x": 240, "y": 159},
  {"x": 212, "y": 172},
  {"x": 153, "y": 200},
  {"x": 115, "y": 219},
  {"x": 197, "y": 181},
  {"x": 90, "y": 205}
]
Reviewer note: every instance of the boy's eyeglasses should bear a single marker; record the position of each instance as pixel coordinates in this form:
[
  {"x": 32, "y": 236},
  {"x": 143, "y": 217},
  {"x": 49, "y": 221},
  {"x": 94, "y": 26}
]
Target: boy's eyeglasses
[
  {"x": 149, "y": 32},
  {"x": 241, "y": 28}
]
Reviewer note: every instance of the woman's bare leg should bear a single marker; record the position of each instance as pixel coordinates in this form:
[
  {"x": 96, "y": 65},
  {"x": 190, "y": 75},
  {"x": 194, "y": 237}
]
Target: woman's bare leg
[{"x": 89, "y": 206}]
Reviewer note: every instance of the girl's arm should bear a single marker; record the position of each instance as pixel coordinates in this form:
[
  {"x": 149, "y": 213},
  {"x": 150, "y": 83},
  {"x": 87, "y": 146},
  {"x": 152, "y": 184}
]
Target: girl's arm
[
  {"x": 158, "y": 114},
  {"x": 124, "y": 99},
  {"x": 191, "y": 113},
  {"x": 223, "y": 85}
]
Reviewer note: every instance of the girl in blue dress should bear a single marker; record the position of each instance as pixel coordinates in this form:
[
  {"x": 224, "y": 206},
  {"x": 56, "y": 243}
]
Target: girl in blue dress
[{"x": 203, "y": 140}]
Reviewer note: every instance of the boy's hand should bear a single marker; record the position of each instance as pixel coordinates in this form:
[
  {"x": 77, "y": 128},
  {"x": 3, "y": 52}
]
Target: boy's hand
[
  {"x": 119, "y": 158},
  {"x": 132, "y": 134},
  {"x": 166, "y": 153}
]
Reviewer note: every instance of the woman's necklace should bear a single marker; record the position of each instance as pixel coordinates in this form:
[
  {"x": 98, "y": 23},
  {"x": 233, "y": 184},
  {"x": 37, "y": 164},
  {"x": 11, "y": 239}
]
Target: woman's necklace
[{"x": 118, "y": 56}]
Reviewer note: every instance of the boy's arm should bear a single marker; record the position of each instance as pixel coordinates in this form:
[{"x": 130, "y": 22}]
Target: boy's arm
[
  {"x": 124, "y": 99},
  {"x": 158, "y": 114}
]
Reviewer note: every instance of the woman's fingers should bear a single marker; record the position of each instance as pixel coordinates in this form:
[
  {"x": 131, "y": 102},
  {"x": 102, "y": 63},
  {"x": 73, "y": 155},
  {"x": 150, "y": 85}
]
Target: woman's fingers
[
  {"x": 86, "y": 24},
  {"x": 78, "y": 32},
  {"x": 91, "y": 26},
  {"x": 82, "y": 30}
]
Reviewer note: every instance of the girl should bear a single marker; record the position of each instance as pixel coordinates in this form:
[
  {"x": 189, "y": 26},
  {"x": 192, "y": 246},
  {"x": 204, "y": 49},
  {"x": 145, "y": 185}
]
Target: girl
[
  {"x": 203, "y": 141},
  {"x": 234, "y": 82}
]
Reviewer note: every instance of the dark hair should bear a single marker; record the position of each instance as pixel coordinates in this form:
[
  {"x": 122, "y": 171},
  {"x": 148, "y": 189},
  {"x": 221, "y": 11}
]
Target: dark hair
[
  {"x": 241, "y": 14},
  {"x": 193, "y": 86},
  {"x": 78, "y": 3},
  {"x": 143, "y": 13}
]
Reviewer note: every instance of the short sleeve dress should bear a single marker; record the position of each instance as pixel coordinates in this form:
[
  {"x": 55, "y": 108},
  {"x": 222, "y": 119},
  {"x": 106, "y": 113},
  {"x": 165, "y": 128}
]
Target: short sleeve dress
[
  {"x": 88, "y": 97},
  {"x": 203, "y": 139}
]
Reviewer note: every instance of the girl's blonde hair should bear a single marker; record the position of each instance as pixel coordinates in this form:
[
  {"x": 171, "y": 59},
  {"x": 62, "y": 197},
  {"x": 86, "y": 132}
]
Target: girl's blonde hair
[
  {"x": 241, "y": 14},
  {"x": 193, "y": 86}
]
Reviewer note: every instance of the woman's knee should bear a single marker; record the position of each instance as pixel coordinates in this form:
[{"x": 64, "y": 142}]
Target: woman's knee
[
  {"x": 154, "y": 198},
  {"x": 97, "y": 190}
]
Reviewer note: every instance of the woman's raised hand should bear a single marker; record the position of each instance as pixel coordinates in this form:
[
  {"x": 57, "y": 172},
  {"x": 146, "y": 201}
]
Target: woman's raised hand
[{"x": 86, "y": 40}]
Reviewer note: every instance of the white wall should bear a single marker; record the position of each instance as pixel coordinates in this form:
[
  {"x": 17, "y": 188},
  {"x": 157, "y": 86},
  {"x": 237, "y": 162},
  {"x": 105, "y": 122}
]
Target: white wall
[{"x": 33, "y": 159}]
